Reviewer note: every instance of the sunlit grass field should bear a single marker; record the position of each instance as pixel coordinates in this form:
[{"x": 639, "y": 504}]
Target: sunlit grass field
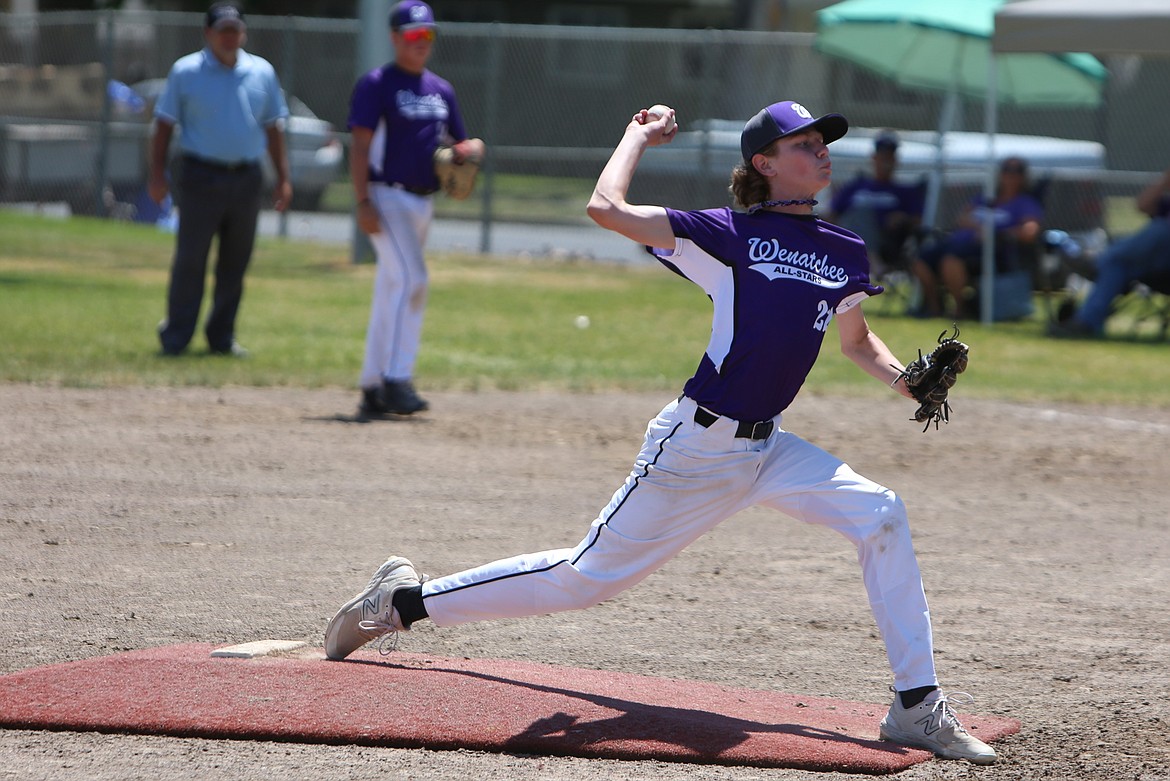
[{"x": 80, "y": 300}]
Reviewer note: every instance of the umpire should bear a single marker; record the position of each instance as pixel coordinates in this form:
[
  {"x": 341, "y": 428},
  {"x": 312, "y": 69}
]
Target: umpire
[{"x": 229, "y": 107}]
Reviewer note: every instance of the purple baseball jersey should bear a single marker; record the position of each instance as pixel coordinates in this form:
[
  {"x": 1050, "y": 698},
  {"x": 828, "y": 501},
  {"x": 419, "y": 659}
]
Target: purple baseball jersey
[
  {"x": 410, "y": 115},
  {"x": 776, "y": 281}
]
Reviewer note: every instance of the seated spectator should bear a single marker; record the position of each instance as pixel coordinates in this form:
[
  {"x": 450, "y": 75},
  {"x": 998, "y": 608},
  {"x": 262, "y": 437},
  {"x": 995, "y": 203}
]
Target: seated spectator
[
  {"x": 883, "y": 212},
  {"x": 951, "y": 262},
  {"x": 1125, "y": 261}
]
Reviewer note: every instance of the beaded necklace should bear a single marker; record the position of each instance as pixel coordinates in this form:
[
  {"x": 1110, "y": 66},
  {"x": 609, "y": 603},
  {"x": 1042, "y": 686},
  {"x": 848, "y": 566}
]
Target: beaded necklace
[{"x": 799, "y": 202}]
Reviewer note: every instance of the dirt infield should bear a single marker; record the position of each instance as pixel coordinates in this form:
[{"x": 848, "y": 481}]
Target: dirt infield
[{"x": 145, "y": 517}]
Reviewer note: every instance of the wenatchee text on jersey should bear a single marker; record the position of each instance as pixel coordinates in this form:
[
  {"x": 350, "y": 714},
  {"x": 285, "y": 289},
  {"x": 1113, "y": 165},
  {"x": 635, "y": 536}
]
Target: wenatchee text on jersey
[
  {"x": 775, "y": 262},
  {"x": 414, "y": 106}
]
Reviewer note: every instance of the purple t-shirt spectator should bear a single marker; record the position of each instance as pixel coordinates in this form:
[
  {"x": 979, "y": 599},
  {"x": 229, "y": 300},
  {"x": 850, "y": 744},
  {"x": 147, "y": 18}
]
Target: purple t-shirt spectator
[
  {"x": 776, "y": 281},
  {"x": 1008, "y": 215},
  {"x": 881, "y": 198},
  {"x": 410, "y": 115}
]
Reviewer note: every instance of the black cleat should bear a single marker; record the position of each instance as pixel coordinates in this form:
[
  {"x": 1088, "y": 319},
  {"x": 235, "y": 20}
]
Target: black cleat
[{"x": 400, "y": 397}]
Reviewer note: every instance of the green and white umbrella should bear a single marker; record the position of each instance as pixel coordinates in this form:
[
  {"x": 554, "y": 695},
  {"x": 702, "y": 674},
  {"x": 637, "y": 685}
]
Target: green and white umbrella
[{"x": 944, "y": 45}]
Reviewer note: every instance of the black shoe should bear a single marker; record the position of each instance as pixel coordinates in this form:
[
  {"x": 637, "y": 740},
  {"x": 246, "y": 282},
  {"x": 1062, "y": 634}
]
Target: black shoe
[
  {"x": 235, "y": 350},
  {"x": 168, "y": 350},
  {"x": 372, "y": 405},
  {"x": 400, "y": 397}
]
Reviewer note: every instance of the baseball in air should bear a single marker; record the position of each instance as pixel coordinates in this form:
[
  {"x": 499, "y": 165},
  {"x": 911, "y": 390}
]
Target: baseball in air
[
  {"x": 658, "y": 111},
  {"x": 582, "y": 321}
]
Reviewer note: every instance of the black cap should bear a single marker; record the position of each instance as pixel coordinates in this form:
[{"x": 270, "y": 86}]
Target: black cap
[
  {"x": 223, "y": 15},
  {"x": 1014, "y": 164},
  {"x": 885, "y": 140}
]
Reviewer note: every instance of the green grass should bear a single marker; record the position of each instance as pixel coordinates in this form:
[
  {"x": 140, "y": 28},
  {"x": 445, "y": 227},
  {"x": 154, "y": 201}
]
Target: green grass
[
  {"x": 1122, "y": 216},
  {"x": 80, "y": 299}
]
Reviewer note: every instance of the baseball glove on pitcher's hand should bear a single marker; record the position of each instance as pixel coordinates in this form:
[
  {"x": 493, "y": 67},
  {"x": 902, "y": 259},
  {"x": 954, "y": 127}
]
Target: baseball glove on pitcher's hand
[
  {"x": 457, "y": 179},
  {"x": 931, "y": 378}
]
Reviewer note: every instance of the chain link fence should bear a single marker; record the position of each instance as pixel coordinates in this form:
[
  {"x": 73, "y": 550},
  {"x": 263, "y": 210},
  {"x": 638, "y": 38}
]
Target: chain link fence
[{"x": 551, "y": 102}]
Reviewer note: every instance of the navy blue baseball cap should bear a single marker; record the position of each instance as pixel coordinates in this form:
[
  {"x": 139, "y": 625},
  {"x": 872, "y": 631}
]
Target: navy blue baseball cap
[
  {"x": 885, "y": 140},
  {"x": 410, "y": 14},
  {"x": 784, "y": 119},
  {"x": 223, "y": 15}
]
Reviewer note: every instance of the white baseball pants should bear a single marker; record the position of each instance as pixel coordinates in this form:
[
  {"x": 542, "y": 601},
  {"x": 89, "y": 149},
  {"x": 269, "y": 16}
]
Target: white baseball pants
[
  {"x": 686, "y": 480},
  {"x": 400, "y": 285}
]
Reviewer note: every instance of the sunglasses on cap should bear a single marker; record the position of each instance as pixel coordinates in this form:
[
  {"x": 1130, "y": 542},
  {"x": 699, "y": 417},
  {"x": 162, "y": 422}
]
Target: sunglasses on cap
[{"x": 419, "y": 34}]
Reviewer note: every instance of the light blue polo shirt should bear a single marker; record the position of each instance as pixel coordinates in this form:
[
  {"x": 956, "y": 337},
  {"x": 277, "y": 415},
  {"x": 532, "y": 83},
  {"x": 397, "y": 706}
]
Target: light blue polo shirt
[{"x": 222, "y": 112}]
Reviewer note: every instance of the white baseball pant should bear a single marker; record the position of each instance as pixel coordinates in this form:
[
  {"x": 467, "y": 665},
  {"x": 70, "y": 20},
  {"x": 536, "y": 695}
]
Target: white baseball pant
[
  {"x": 400, "y": 285},
  {"x": 686, "y": 480}
]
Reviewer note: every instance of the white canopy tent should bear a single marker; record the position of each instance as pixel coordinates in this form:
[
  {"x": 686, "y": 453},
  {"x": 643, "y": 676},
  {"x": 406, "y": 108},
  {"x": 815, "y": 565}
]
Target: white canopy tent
[{"x": 1094, "y": 26}]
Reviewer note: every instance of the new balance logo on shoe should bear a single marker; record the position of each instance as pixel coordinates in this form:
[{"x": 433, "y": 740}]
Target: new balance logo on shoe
[
  {"x": 370, "y": 614},
  {"x": 930, "y": 723}
]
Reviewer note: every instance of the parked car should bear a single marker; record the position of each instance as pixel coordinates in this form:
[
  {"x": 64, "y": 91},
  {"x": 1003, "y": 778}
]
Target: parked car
[
  {"x": 314, "y": 152},
  {"x": 695, "y": 167},
  {"x": 60, "y": 159}
]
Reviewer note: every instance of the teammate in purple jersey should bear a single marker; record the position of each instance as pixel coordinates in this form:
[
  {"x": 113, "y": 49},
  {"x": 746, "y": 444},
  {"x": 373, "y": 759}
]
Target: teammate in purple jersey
[
  {"x": 777, "y": 276},
  {"x": 399, "y": 114}
]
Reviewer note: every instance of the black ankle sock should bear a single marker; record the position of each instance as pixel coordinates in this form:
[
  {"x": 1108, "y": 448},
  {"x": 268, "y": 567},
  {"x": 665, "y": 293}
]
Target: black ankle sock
[
  {"x": 909, "y": 698},
  {"x": 409, "y": 603}
]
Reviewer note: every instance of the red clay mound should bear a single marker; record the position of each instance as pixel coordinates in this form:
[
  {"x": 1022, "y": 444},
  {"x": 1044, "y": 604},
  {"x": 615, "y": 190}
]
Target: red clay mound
[{"x": 414, "y": 700}]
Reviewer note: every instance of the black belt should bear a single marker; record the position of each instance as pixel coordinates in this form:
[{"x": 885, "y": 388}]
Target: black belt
[
  {"x": 243, "y": 165},
  {"x": 413, "y": 190},
  {"x": 759, "y": 430}
]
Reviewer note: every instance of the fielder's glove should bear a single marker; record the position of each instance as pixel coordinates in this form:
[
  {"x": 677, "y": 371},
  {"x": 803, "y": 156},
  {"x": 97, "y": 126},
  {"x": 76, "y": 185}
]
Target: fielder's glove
[
  {"x": 458, "y": 179},
  {"x": 930, "y": 378}
]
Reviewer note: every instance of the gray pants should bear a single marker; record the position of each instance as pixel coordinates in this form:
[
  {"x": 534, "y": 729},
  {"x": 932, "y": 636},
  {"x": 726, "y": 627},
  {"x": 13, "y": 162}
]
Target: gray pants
[{"x": 213, "y": 201}]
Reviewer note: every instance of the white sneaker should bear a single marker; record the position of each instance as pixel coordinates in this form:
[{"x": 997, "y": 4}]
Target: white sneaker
[
  {"x": 371, "y": 614},
  {"x": 932, "y": 725}
]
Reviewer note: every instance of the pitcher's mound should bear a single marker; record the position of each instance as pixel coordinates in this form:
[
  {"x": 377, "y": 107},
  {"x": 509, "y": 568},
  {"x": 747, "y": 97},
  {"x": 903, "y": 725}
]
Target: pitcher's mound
[{"x": 413, "y": 700}]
